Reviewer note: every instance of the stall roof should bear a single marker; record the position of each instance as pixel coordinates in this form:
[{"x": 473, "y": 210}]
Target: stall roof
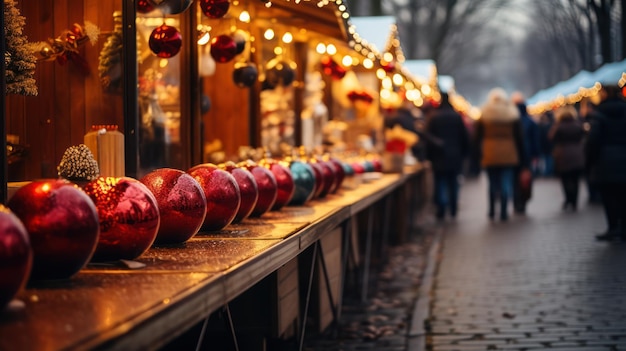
[
  {"x": 374, "y": 29},
  {"x": 422, "y": 69},
  {"x": 446, "y": 83}
]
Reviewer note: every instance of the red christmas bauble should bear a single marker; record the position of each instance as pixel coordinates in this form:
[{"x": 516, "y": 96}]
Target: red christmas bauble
[
  {"x": 222, "y": 194},
  {"x": 129, "y": 217},
  {"x": 62, "y": 224},
  {"x": 388, "y": 66},
  {"x": 327, "y": 174},
  {"x": 266, "y": 183},
  {"x": 340, "y": 173},
  {"x": 181, "y": 201},
  {"x": 165, "y": 41},
  {"x": 284, "y": 182},
  {"x": 223, "y": 48},
  {"x": 319, "y": 177},
  {"x": 214, "y": 8},
  {"x": 16, "y": 256},
  {"x": 358, "y": 167},
  {"x": 172, "y": 7},
  {"x": 247, "y": 187},
  {"x": 145, "y": 6},
  {"x": 304, "y": 182}
]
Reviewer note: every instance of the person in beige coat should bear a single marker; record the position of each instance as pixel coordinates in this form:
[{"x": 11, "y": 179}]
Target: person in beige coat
[{"x": 499, "y": 137}]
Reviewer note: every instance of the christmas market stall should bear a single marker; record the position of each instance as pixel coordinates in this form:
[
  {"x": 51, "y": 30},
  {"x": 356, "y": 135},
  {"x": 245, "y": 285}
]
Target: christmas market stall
[{"x": 188, "y": 173}]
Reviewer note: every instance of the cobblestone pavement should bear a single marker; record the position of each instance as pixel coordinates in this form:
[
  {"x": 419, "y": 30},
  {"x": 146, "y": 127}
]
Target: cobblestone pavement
[{"x": 536, "y": 282}]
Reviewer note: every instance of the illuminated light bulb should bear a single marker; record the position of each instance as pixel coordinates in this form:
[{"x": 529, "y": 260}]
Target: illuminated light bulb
[
  {"x": 331, "y": 49},
  {"x": 380, "y": 73},
  {"x": 398, "y": 79},
  {"x": 367, "y": 63},
  {"x": 386, "y": 83},
  {"x": 278, "y": 50},
  {"x": 320, "y": 48},
  {"x": 388, "y": 57},
  {"x": 347, "y": 60},
  {"x": 244, "y": 17},
  {"x": 287, "y": 38},
  {"x": 269, "y": 34}
]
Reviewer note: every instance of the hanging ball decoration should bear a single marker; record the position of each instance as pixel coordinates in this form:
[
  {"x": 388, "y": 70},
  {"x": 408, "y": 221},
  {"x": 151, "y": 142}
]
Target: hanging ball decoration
[
  {"x": 245, "y": 75},
  {"x": 172, "y": 7},
  {"x": 240, "y": 37},
  {"x": 214, "y": 8},
  {"x": 129, "y": 217},
  {"x": 280, "y": 73},
  {"x": 165, "y": 41},
  {"x": 16, "y": 256},
  {"x": 62, "y": 224},
  {"x": 145, "y": 6},
  {"x": 223, "y": 48}
]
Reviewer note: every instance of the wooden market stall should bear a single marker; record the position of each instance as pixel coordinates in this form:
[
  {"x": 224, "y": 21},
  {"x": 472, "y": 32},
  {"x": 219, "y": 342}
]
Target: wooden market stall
[{"x": 138, "y": 80}]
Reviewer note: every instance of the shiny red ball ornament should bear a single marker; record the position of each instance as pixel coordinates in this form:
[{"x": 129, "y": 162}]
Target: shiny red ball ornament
[
  {"x": 284, "y": 182},
  {"x": 266, "y": 183},
  {"x": 223, "y": 48},
  {"x": 319, "y": 177},
  {"x": 247, "y": 187},
  {"x": 340, "y": 173},
  {"x": 16, "y": 256},
  {"x": 129, "y": 217},
  {"x": 145, "y": 6},
  {"x": 327, "y": 175},
  {"x": 181, "y": 201},
  {"x": 214, "y": 8},
  {"x": 222, "y": 194},
  {"x": 62, "y": 224},
  {"x": 358, "y": 167},
  {"x": 165, "y": 41},
  {"x": 172, "y": 7}
]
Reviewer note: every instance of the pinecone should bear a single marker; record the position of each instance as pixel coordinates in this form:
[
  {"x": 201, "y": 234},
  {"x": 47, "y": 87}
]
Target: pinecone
[{"x": 78, "y": 164}]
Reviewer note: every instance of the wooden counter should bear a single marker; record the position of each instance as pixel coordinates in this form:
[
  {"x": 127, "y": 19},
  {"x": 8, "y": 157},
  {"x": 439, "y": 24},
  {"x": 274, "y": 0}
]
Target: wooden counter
[{"x": 115, "y": 307}]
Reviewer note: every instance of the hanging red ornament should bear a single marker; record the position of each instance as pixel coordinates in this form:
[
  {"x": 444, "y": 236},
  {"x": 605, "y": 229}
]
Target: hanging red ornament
[
  {"x": 165, "y": 41},
  {"x": 388, "y": 66},
  {"x": 181, "y": 202},
  {"x": 172, "y": 7},
  {"x": 129, "y": 217},
  {"x": 62, "y": 223},
  {"x": 223, "y": 48},
  {"x": 16, "y": 256},
  {"x": 145, "y": 6},
  {"x": 214, "y": 8}
]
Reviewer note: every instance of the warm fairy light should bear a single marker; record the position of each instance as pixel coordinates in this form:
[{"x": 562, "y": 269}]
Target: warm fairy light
[
  {"x": 386, "y": 83},
  {"x": 367, "y": 63},
  {"x": 380, "y": 73},
  {"x": 331, "y": 49},
  {"x": 426, "y": 90},
  {"x": 269, "y": 34},
  {"x": 398, "y": 79},
  {"x": 287, "y": 38},
  {"x": 388, "y": 56},
  {"x": 278, "y": 50},
  {"x": 244, "y": 16},
  {"x": 347, "y": 60},
  {"x": 163, "y": 63},
  {"x": 385, "y": 94},
  {"x": 320, "y": 48}
]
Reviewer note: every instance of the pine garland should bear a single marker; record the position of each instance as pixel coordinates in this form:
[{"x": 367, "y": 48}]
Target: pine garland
[{"x": 19, "y": 61}]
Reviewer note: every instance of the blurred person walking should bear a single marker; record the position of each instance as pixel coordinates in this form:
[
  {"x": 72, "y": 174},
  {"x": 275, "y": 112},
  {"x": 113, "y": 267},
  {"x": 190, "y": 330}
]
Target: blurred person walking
[
  {"x": 499, "y": 134},
  {"x": 530, "y": 135},
  {"x": 545, "y": 168},
  {"x": 567, "y": 136},
  {"x": 606, "y": 155},
  {"x": 447, "y": 126}
]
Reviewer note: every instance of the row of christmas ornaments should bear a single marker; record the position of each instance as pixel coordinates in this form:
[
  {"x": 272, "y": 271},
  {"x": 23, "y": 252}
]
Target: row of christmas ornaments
[{"x": 52, "y": 228}]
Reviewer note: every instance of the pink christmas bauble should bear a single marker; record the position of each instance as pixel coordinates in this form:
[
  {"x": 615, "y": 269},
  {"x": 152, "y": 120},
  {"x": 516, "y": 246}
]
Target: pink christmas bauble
[
  {"x": 247, "y": 187},
  {"x": 222, "y": 194},
  {"x": 181, "y": 202},
  {"x": 165, "y": 41},
  {"x": 129, "y": 217},
  {"x": 62, "y": 225},
  {"x": 16, "y": 256},
  {"x": 266, "y": 183}
]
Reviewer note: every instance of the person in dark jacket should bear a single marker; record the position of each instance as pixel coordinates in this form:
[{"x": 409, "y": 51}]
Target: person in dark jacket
[
  {"x": 530, "y": 134},
  {"x": 447, "y": 154},
  {"x": 567, "y": 136},
  {"x": 606, "y": 155}
]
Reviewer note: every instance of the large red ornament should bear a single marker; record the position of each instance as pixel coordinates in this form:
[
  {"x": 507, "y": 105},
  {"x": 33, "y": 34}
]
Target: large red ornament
[
  {"x": 214, "y": 8},
  {"x": 16, "y": 256},
  {"x": 340, "y": 173},
  {"x": 223, "y": 48},
  {"x": 319, "y": 177},
  {"x": 165, "y": 41},
  {"x": 145, "y": 6},
  {"x": 181, "y": 202},
  {"x": 266, "y": 183},
  {"x": 327, "y": 175},
  {"x": 62, "y": 224},
  {"x": 247, "y": 187},
  {"x": 222, "y": 194},
  {"x": 284, "y": 182},
  {"x": 129, "y": 217}
]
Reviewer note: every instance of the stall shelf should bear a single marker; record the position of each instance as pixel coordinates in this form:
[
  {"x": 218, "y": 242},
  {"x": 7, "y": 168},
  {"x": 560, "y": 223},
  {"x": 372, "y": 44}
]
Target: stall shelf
[{"x": 145, "y": 304}]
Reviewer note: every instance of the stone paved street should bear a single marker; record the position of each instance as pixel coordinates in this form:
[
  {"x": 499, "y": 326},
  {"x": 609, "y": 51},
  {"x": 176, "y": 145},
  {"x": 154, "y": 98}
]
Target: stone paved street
[{"x": 536, "y": 282}]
